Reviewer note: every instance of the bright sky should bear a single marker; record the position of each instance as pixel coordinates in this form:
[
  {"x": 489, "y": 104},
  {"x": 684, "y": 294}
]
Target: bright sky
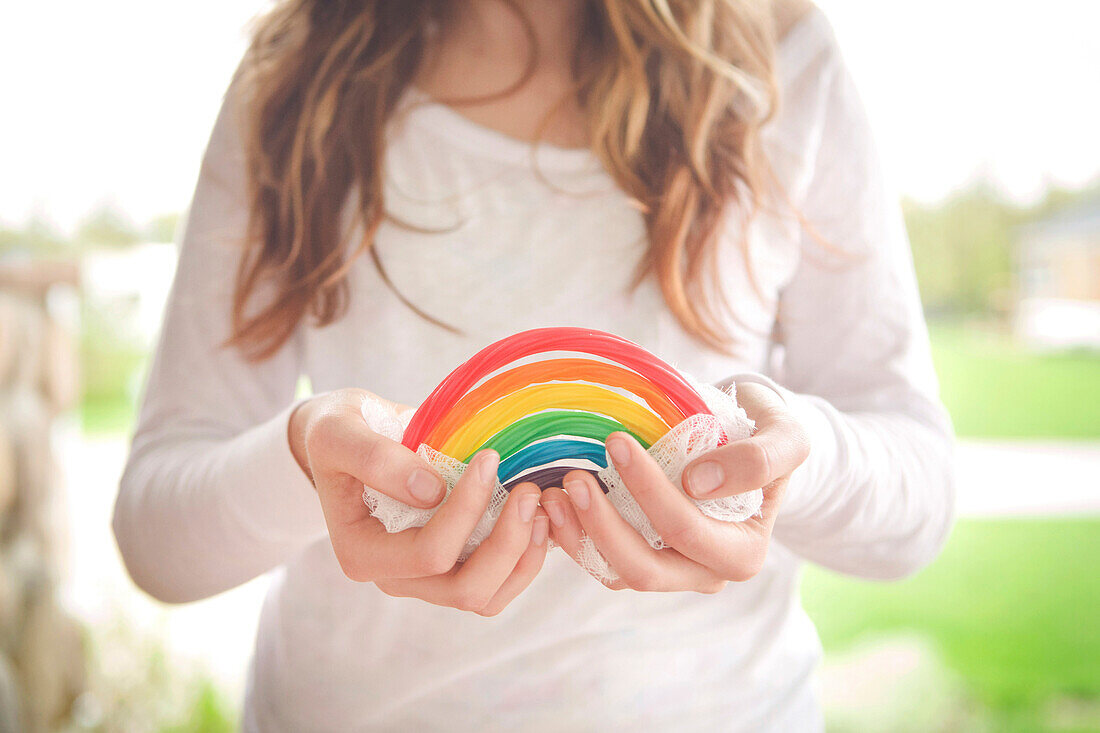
[{"x": 112, "y": 101}]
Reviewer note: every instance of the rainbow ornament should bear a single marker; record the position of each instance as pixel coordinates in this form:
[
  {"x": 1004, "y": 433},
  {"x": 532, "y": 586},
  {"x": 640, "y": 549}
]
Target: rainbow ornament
[{"x": 552, "y": 415}]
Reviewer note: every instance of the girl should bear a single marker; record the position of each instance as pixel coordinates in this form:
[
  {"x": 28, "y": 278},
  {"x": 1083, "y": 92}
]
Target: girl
[{"x": 391, "y": 186}]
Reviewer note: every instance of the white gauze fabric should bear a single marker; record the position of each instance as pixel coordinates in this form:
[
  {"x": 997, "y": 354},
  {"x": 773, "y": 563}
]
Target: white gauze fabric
[
  {"x": 397, "y": 516},
  {"x": 684, "y": 443},
  {"x": 693, "y": 437}
]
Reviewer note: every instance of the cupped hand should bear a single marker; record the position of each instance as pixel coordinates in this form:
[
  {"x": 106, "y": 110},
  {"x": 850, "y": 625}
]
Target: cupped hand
[
  {"x": 337, "y": 450},
  {"x": 702, "y": 554}
]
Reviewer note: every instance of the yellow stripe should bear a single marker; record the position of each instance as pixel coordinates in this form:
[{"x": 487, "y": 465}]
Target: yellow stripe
[{"x": 498, "y": 415}]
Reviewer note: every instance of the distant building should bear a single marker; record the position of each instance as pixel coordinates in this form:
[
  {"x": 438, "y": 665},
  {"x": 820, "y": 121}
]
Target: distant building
[{"x": 1058, "y": 280}]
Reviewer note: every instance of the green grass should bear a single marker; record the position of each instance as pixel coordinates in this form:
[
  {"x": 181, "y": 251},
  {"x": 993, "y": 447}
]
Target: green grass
[
  {"x": 1013, "y": 606},
  {"x": 996, "y": 389},
  {"x": 135, "y": 683},
  {"x": 105, "y": 415},
  {"x": 210, "y": 712}
]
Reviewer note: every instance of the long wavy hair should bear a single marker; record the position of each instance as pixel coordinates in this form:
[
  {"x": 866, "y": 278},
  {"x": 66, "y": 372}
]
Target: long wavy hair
[{"x": 674, "y": 92}]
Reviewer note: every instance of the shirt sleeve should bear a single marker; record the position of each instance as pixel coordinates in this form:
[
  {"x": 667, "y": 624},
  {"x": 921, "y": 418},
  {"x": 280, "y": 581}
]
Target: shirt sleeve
[
  {"x": 875, "y": 498},
  {"x": 211, "y": 495}
]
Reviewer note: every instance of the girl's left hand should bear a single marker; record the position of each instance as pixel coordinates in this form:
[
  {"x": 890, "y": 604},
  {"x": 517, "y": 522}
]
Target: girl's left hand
[{"x": 702, "y": 553}]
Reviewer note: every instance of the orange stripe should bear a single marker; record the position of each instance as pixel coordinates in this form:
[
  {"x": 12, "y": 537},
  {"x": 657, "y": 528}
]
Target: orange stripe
[{"x": 553, "y": 370}]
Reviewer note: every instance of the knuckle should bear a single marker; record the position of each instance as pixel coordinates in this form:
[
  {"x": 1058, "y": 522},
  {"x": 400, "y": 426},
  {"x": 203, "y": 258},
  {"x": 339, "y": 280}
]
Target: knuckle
[
  {"x": 749, "y": 565},
  {"x": 354, "y": 570},
  {"x": 435, "y": 561},
  {"x": 712, "y": 587},
  {"x": 802, "y": 452},
  {"x": 739, "y": 574},
  {"x": 373, "y": 457},
  {"x": 759, "y": 459},
  {"x": 750, "y": 572},
  {"x": 684, "y": 533},
  {"x": 641, "y": 579},
  {"x": 763, "y": 399},
  {"x": 796, "y": 432},
  {"x": 389, "y": 590},
  {"x": 318, "y": 434},
  {"x": 468, "y": 599}
]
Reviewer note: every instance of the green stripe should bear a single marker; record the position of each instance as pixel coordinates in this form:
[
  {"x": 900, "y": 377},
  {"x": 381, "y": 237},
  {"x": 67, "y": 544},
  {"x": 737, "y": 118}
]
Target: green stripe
[{"x": 550, "y": 424}]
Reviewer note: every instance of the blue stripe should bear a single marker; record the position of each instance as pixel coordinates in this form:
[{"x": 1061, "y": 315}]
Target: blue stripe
[{"x": 547, "y": 451}]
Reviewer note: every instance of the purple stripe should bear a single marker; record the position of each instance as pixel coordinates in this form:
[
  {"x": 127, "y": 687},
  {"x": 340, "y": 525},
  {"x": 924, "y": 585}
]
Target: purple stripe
[{"x": 549, "y": 477}]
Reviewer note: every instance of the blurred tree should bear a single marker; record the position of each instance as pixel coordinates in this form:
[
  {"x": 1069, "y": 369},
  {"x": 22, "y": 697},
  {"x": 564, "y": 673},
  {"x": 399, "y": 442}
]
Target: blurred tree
[
  {"x": 162, "y": 228},
  {"x": 106, "y": 227},
  {"x": 1058, "y": 198},
  {"x": 962, "y": 249},
  {"x": 38, "y": 237},
  {"x": 963, "y": 246}
]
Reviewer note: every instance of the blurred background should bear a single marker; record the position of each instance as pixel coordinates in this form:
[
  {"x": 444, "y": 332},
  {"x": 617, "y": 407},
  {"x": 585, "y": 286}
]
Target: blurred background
[{"x": 987, "y": 117}]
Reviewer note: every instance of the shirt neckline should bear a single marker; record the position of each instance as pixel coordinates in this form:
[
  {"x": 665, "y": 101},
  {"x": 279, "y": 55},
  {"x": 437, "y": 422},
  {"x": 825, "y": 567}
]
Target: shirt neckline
[{"x": 422, "y": 109}]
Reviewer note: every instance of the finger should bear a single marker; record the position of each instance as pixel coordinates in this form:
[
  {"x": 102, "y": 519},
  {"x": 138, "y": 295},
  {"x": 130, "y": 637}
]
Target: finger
[
  {"x": 674, "y": 515},
  {"x": 639, "y": 565},
  {"x": 367, "y": 552},
  {"x": 526, "y": 569},
  {"x": 733, "y": 550},
  {"x": 441, "y": 589},
  {"x": 769, "y": 509},
  {"x": 567, "y": 532},
  {"x": 779, "y": 446},
  {"x": 347, "y": 445},
  {"x": 486, "y": 570},
  {"x": 472, "y": 585},
  {"x": 439, "y": 543},
  {"x": 565, "y": 528}
]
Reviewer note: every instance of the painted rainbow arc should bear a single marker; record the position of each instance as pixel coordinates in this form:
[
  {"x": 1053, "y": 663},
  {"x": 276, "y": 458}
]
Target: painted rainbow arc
[{"x": 548, "y": 417}]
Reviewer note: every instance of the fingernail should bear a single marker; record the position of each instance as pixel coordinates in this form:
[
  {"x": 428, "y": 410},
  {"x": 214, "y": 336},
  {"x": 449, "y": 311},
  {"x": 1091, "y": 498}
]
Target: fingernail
[
  {"x": 424, "y": 485},
  {"x": 620, "y": 452},
  {"x": 540, "y": 531},
  {"x": 578, "y": 492},
  {"x": 705, "y": 478},
  {"x": 527, "y": 506},
  {"x": 556, "y": 512},
  {"x": 487, "y": 466}
]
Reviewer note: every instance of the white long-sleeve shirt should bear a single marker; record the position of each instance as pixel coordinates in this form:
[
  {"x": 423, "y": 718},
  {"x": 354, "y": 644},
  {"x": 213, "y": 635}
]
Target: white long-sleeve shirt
[{"x": 212, "y": 497}]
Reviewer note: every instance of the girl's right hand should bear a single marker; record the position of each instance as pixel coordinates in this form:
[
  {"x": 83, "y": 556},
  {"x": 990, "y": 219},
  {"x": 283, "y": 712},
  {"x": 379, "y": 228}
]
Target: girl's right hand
[{"x": 339, "y": 453}]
